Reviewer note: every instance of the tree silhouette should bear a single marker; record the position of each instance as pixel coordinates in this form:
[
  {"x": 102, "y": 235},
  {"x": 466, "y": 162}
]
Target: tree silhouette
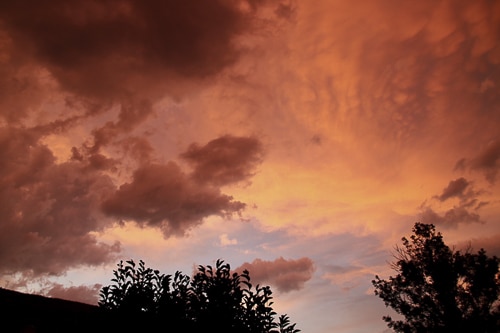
[
  {"x": 213, "y": 299},
  {"x": 439, "y": 290}
]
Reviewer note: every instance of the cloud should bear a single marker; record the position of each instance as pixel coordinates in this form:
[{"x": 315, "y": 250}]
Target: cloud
[
  {"x": 225, "y": 160},
  {"x": 77, "y": 62},
  {"x": 83, "y": 294},
  {"x": 465, "y": 211},
  {"x": 455, "y": 188},
  {"x": 162, "y": 195},
  {"x": 132, "y": 113},
  {"x": 396, "y": 80},
  {"x": 347, "y": 277},
  {"x": 286, "y": 275},
  {"x": 224, "y": 240},
  {"x": 451, "y": 218},
  {"x": 105, "y": 48},
  {"x": 49, "y": 212},
  {"x": 490, "y": 244},
  {"x": 486, "y": 161},
  {"x": 52, "y": 212}
]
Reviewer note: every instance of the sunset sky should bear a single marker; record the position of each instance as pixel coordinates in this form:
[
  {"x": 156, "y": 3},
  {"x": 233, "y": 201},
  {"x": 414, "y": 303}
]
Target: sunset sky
[{"x": 298, "y": 139}]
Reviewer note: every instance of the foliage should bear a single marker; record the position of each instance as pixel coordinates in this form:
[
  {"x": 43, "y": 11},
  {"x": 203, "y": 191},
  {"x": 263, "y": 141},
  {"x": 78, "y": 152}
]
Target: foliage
[
  {"x": 213, "y": 299},
  {"x": 439, "y": 290}
]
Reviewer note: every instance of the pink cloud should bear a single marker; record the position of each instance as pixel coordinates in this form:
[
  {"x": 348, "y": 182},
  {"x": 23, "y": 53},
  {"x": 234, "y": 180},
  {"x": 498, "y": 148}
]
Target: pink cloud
[
  {"x": 162, "y": 195},
  {"x": 286, "y": 275}
]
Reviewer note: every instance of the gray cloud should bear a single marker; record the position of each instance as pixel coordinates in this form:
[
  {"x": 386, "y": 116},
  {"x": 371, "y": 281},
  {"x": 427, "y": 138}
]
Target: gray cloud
[
  {"x": 162, "y": 195},
  {"x": 286, "y": 275}
]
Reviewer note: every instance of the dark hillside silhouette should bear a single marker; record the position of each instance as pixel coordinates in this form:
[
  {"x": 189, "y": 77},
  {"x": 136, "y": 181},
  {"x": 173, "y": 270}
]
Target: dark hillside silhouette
[
  {"x": 23, "y": 313},
  {"x": 33, "y": 313},
  {"x": 438, "y": 290}
]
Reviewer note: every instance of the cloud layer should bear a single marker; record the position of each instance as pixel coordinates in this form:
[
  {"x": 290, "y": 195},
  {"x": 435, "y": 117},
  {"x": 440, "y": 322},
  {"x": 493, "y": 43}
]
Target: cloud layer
[{"x": 107, "y": 48}]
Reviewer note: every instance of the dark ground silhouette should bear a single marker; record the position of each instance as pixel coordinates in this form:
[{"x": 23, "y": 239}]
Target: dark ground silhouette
[{"x": 23, "y": 313}]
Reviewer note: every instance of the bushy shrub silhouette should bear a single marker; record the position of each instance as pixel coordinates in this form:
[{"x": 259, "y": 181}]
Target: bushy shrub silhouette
[
  {"x": 213, "y": 299},
  {"x": 440, "y": 290}
]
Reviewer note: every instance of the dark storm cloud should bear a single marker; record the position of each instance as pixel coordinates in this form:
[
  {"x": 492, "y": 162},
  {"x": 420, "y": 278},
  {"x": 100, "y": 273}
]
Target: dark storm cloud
[
  {"x": 451, "y": 218},
  {"x": 98, "y": 48},
  {"x": 49, "y": 211},
  {"x": 286, "y": 275},
  {"x": 225, "y": 160},
  {"x": 164, "y": 196},
  {"x": 96, "y": 55},
  {"x": 487, "y": 161},
  {"x": 456, "y": 188},
  {"x": 465, "y": 211}
]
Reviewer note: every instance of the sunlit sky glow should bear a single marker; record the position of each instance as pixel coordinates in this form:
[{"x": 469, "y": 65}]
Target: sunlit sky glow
[{"x": 298, "y": 139}]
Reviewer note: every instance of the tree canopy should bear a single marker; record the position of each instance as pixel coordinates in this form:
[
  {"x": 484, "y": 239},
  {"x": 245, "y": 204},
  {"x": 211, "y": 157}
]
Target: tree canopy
[
  {"x": 214, "y": 299},
  {"x": 437, "y": 289}
]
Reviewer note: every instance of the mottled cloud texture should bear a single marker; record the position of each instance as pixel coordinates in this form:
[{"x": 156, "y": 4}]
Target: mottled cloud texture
[{"x": 285, "y": 274}]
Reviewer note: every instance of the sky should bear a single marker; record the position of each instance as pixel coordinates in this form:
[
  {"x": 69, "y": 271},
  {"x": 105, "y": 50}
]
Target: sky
[{"x": 298, "y": 139}]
